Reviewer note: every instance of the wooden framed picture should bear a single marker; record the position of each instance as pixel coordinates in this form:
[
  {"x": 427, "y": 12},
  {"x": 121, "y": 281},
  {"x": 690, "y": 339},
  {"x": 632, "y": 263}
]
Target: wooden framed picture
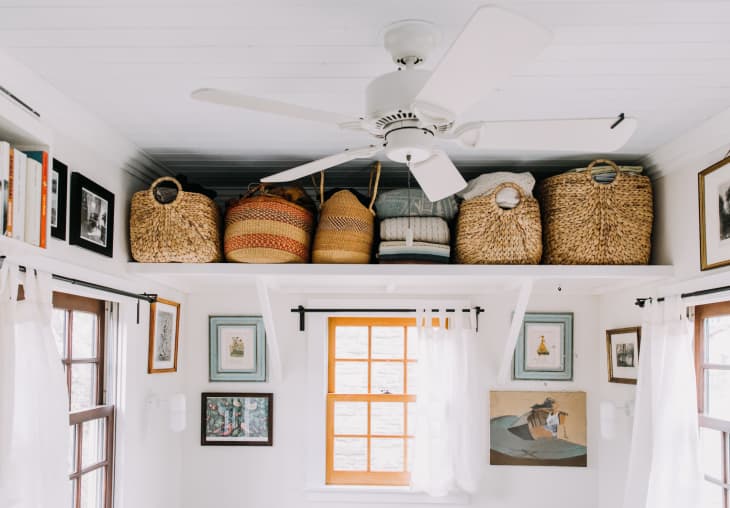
[
  {"x": 164, "y": 336},
  {"x": 237, "y": 348},
  {"x": 545, "y": 347},
  {"x": 91, "y": 221},
  {"x": 714, "y": 193},
  {"x": 59, "y": 193},
  {"x": 239, "y": 419},
  {"x": 622, "y": 347}
]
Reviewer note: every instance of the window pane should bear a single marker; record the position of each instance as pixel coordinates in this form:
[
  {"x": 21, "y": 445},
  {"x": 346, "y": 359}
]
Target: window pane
[
  {"x": 351, "y": 377},
  {"x": 411, "y": 371},
  {"x": 58, "y": 323},
  {"x": 711, "y": 444},
  {"x": 711, "y": 495},
  {"x": 93, "y": 442},
  {"x": 72, "y": 449},
  {"x": 351, "y": 342},
  {"x": 84, "y": 335},
  {"x": 718, "y": 393},
  {"x": 717, "y": 342},
  {"x": 91, "y": 489},
  {"x": 83, "y": 386},
  {"x": 386, "y": 454},
  {"x": 387, "y": 377},
  {"x": 350, "y": 454},
  {"x": 387, "y": 342},
  {"x": 412, "y": 342},
  {"x": 411, "y": 418},
  {"x": 409, "y": 455},
  {"x": 351, "y": 418},
  {"x": 386, "y": 418}
]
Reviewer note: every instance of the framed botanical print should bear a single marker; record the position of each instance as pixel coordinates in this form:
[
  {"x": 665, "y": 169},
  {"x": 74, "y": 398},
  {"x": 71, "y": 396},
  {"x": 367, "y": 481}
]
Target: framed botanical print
[
  {"x": 59, "y": 192},
  {"x": 164, "y": 335},
  {"x": 91, "y": 221},
  {"x": 714, "y": 193},
  {"x": 237, "y": 348},
  {"x": 622, "y": 345},
  {"x": 242, "y": 419},
  {"x": 545, "y": 347}
]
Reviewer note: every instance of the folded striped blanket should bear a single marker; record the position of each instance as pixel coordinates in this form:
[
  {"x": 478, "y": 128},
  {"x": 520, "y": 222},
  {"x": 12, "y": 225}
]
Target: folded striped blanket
[
  {"x": 425, "y": 229},
  {"x": 400, "y": 247}
]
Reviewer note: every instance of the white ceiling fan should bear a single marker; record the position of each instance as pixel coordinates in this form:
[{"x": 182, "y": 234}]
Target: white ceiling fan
[{"x": 408, "y": 110}]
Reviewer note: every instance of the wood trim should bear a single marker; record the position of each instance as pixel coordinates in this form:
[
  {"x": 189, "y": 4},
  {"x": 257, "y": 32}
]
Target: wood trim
[
  {"x": 150, "y": 355},
  {"x": 703, "y": 312},
  {"x": 69, "y": 301}
]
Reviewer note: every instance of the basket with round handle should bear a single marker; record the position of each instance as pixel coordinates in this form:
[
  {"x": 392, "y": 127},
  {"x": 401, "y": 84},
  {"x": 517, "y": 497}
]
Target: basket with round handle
[
  {"x": 185, "y": 229},
  {"x": 486, "y": 233},
  {"x": 593, "y": 223}
]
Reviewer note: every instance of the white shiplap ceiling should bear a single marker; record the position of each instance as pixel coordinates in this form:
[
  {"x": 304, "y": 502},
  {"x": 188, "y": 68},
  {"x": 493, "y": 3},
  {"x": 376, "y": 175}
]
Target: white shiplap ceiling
[{"x": 135, "y": 63}]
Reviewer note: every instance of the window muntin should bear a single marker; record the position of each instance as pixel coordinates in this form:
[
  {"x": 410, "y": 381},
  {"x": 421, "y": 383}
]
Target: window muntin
[{"x": 370, "y": 400}]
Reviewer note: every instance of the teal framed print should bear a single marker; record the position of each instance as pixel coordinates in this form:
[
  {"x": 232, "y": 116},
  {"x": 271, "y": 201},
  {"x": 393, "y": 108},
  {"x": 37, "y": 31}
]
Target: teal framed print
[
  {"x": 545, "y": 347},
  {"x": 237, "y": 348}
]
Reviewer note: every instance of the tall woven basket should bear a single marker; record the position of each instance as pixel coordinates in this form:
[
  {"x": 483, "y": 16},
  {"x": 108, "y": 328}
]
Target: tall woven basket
[
  {"x": 185, "y": 230},
  {"x": 489, "y": 234},
  {"x": 591, "y": 223},
  {"x": 265, "y": 228},
  {"x": 346, "y": 227}
]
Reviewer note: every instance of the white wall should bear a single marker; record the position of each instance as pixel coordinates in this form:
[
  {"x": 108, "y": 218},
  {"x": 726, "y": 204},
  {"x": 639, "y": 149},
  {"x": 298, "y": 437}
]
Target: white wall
[
  {"x": 278, "y": 476},
  {"x": 149, "y": 465}
]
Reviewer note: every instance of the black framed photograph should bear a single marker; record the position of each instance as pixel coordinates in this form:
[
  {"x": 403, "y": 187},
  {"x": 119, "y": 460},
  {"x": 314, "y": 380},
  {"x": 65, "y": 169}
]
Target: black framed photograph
[
  {"x": 59, "y": 193},
  {"x": 714, "y": 193},
  {"x": 237, "y": 419},
  {"x": 91, "y": 217},
  {"x": 622, "y": 345}
]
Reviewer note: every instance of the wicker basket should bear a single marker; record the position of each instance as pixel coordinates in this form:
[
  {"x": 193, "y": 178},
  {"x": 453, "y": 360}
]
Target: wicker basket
[
  {"x": 185, "y": 230},
  {"x": 489, "y": 234},
  {"x": 265, "y": 228},
  {"x": 346, "y": 227},
  {"x": 586, "y": 222}
]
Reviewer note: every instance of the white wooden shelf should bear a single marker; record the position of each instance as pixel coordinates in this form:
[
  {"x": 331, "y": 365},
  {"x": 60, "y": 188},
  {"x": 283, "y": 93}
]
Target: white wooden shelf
[{"x": 402, "y": 279}]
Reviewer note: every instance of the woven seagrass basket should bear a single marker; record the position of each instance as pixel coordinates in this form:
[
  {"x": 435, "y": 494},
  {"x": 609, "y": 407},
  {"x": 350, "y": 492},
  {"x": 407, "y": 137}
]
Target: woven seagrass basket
[
  {"x": 489, "y": 234},
  {"x": 266, "y": 228},
  {"x": 346, "y": 227},
  {"x": 185, "y": 230},
  {"x": 591, "y": 223}
]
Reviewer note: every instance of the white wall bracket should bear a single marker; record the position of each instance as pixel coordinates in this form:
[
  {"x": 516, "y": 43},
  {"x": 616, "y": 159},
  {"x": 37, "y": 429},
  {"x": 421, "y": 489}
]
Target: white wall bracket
[
  {"x": 514, "y": 329},
  {"x": 267, "y": 312}
]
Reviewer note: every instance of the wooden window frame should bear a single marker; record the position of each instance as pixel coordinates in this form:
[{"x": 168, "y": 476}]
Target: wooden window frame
[
  {"x": 99, "y": 410},
  {"x": 702, "y": 312},
  {"x": 372, "y": 478}
]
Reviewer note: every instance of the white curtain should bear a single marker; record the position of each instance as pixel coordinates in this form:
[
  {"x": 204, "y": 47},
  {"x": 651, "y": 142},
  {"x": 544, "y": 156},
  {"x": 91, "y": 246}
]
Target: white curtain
[
  {"x": 664, "y": 470},
  {"x": 34, "y": 428},
  {"x": 446, "y": 454}
]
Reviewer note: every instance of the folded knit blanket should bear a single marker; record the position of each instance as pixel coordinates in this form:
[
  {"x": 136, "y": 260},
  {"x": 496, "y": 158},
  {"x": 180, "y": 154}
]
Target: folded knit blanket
[
  {"x": 425, "y": 229},
  {"x": 400, "y": 247},
  {"x": 487, "y": 182},
  {"x": 413, "y": 203}
]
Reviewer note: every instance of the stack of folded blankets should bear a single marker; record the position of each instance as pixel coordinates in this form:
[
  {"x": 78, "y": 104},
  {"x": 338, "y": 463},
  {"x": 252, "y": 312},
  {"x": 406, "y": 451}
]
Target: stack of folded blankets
[{"x": 413, "y": 229}]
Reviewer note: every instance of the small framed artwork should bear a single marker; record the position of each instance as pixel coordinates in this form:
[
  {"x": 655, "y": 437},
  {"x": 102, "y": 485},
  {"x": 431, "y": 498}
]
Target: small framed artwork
[
  {"x": 545, "y": 347},
  {"x": 91, "y": 221},
  {"x": 714, "y": 192},
  {"x": 59, "y": 192},
  {"x": 164, "y": 335},
  {"x": 242, "y": 419},
  {"x": 623, "y": 346},
  {"x": 237, "y": 348}
]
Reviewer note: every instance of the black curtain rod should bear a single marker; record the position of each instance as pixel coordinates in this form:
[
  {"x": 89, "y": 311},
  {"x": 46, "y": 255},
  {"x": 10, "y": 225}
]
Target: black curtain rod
[
  {"x": 302, "y": 311},
  {"x": 641, "y": 302}
]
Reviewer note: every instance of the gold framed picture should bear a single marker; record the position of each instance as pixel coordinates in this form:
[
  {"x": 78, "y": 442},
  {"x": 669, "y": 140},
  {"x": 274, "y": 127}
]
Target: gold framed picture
[
  {"x": 622, "y": 346},
  {"x": 164, "y": 333},
  {"x": 714, "y": 195}
]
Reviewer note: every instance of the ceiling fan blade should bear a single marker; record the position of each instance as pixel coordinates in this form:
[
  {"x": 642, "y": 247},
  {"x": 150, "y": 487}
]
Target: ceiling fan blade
[
  {"x": 322, "y": 164},
  {"x": 226, "y": 98},
  {"x": 583, "y": 135},
  {"x": 493, "y": 45},
  {"x": 437, "y": 176}
]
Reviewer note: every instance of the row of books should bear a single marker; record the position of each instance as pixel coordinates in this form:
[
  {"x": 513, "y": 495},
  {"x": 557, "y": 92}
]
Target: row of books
[{"x": 24, "y": 194}]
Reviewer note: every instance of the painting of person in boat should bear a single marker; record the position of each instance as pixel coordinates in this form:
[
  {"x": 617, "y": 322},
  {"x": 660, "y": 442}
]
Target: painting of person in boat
[{"x": 538, "y": 428}]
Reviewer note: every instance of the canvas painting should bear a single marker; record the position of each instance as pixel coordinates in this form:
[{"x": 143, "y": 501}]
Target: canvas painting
[
  {"x": 237, "y": 419},
  {"x": 538, "y": 428},
  {"x": 237, "y": 348}
]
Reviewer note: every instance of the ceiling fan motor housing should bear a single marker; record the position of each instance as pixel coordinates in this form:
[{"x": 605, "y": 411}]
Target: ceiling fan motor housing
[{"x": 388, "y": 99}]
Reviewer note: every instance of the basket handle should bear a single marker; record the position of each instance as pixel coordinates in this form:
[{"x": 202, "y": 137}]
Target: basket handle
[
  {"x": 373, "y": 186},
  {"x": 508, "y": 185},
  {"x": 589, "y": 170},
  {"x": 157, "y": 182},
  {"x": 321, "y": 188},
  {"x": 253, "y": 190}
]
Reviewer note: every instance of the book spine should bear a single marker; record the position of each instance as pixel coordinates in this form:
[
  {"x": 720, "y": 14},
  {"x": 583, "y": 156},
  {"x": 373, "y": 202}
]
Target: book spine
[
  {"x": 21, "y": 178},
  {"x": 44, "y": 201},
  {"x": 11, "y": 194},
  {"x": 4, "y": 174},
  {"x": 32, "y": 201}
]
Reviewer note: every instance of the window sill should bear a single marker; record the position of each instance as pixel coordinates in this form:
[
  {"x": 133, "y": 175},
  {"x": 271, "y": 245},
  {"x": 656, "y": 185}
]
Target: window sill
[{"x": 375, "y": 495}]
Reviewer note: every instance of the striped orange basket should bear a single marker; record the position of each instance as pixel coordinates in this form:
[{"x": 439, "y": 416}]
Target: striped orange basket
[{"x": 266, "y": 228}]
